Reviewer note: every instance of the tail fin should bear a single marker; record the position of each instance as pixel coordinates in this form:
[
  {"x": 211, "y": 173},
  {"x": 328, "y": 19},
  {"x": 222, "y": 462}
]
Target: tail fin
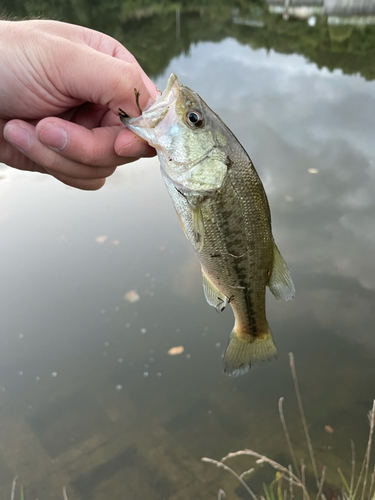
[{"x": 241, "y": 353}]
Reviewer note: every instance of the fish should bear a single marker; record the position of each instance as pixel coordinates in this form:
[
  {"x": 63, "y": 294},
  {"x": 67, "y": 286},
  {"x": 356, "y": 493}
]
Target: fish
[{"x": 223, "y": 209}]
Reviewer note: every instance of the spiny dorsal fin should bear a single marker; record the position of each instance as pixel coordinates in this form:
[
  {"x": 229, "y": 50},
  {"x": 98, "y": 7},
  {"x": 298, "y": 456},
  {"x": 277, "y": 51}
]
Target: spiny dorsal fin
[{"x": 280, "y": 282}]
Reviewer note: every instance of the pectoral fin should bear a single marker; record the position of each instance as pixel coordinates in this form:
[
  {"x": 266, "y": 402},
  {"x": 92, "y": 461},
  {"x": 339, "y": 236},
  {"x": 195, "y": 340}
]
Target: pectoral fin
[
  {"x": 213, "y": 296},
  {"x": 280, "y": 282},
  {"x": 182, "y": 225},
  {"x": 198, "y": 226}
]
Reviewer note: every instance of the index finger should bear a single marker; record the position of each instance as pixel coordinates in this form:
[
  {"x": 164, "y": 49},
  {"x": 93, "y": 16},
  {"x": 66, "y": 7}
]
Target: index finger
[
  {"x": 122, "y": 53},
  {"x": 89, "y": 75}
]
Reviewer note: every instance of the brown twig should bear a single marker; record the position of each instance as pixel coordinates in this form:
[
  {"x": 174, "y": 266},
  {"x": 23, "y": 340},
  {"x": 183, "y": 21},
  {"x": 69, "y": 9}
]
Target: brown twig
[{"x": 137, "y": 94}]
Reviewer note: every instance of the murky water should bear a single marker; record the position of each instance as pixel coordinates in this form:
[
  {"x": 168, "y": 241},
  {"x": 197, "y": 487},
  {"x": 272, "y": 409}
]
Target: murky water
[{"x": 89, "y": 397}]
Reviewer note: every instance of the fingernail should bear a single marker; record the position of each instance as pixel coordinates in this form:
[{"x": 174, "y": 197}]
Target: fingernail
[
  {"x": 17, "y": 136},
  {"x": 53, "y": 137}
]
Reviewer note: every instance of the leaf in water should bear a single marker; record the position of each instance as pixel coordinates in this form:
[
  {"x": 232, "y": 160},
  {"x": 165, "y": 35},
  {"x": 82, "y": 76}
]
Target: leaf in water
[
  {"x": 131, "y": 296},
  {"x": 173, "y": 351},
  {"x": 329, "y": 429},
  {"x": 101, "y": 239}
]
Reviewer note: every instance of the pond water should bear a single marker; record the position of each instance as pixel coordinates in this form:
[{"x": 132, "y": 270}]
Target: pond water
[{"x": 90, "y": 400}]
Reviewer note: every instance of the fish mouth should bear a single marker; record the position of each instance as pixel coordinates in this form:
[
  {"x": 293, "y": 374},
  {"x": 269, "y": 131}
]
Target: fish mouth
[
  {"x": 151, "y": 117},
  {"x": 154, "y": 115}
]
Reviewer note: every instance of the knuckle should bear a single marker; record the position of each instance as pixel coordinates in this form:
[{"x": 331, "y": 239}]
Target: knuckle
[
  {"x": 124, "y": 77},
  {"x": 53, "y": 163},
  {"x": 94, "y": 185},
  {"x": 98, "y": 173},
  {"x": 88, "y": 154}
]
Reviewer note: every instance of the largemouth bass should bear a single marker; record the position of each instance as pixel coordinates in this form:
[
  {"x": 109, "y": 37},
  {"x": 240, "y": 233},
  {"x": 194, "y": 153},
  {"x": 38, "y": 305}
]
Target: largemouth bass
[{"x": 223, "y": 209}]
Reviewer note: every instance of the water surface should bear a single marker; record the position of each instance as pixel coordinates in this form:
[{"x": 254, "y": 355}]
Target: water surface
[{"x": 89, "y": 397}]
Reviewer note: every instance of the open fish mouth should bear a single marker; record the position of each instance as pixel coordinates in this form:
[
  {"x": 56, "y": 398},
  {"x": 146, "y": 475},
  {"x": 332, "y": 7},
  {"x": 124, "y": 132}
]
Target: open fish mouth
[{"x": 151, "y": 117}]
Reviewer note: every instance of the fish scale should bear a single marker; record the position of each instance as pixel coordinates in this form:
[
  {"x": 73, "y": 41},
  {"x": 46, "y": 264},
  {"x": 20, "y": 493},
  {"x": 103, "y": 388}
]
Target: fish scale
[
  {"x": 247, "y": 301},
  {"x": 223, "y": 209}
]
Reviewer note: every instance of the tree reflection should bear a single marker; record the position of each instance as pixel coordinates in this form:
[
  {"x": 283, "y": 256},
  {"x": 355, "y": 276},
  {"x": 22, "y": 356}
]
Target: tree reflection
[{"x": 156, "y": 31}]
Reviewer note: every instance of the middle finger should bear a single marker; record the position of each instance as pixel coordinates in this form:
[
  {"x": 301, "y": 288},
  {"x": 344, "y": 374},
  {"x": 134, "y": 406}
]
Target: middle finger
[
  {"x": 52, "y": 160},
  {"x": 90, "y": 147}
]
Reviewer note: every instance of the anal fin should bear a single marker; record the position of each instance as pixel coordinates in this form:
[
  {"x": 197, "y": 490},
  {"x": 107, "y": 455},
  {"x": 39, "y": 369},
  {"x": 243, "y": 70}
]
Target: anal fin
[
  {"x": 213, "y": 295},
  {"x": 280, "y": 282}
]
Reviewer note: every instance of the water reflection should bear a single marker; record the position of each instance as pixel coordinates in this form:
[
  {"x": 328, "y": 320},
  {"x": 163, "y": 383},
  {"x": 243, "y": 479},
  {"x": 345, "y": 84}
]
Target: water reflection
[
  {"x": 156, "y": 32},
  {"x": 99, "y": 426},
  {"x": 337, "y": 11}
]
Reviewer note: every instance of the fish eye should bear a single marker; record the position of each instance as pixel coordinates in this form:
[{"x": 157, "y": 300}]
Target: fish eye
[{"x": 194, "y": 118}]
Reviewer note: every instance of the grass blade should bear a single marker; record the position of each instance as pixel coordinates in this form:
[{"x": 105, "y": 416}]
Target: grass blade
[
  {"x": 303, "y": 418},
  {"x": 224, "y": 466},
  {"x": 353, "y": 465},
  {"x": 221, "y": 494},
  {"x": 371, "y": 495},
  {"x": 346, "y": 485},
  {"x": 13, "y": 488},
  {"x": 266, "y": 491},
  {"x": 290, "y": 476},
  {"x": 367, "y": 454},
  {"x": 287, "y": 437},
  {"x": 368, "y": 451}
]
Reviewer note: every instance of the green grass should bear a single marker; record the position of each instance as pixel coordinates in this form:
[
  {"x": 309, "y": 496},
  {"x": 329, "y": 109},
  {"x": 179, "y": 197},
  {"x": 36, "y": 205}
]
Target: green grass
[{"x": 361, "y": 487}]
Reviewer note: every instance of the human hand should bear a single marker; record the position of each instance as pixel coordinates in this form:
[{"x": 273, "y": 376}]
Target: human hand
[{"x": 61, "y": 87}]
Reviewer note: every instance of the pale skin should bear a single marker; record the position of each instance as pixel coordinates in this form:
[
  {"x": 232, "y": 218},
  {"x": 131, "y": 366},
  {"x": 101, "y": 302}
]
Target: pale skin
[{"x": 61, "y": 88}]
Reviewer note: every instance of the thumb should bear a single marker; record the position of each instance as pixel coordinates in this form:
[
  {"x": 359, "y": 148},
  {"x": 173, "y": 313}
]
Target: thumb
[{"x": 89, "y": 75}]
